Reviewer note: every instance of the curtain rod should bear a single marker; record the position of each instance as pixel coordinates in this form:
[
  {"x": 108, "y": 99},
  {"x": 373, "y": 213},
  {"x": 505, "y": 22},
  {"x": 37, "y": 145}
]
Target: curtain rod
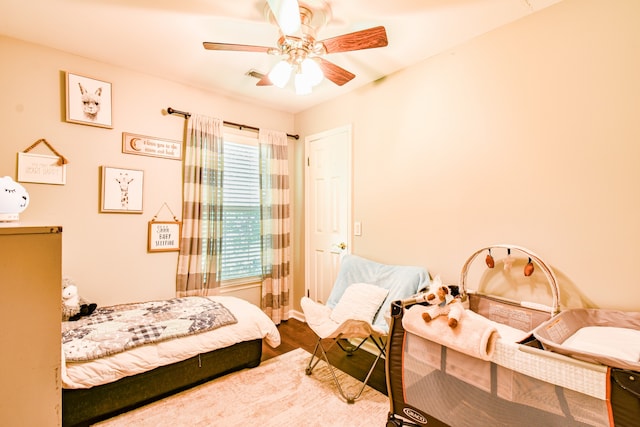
[{"x": 186, "y": 115}]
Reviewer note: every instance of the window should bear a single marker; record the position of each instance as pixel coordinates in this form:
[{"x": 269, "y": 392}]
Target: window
[{"x": 241, "y": 252}]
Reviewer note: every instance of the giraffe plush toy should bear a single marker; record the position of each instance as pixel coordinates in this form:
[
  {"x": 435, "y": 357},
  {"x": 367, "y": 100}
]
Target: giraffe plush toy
[{"x": 443, "y": 303}]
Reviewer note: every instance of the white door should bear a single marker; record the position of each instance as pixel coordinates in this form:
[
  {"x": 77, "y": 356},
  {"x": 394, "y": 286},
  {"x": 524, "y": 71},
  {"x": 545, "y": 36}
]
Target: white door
[{"x": 327, "y": 207}]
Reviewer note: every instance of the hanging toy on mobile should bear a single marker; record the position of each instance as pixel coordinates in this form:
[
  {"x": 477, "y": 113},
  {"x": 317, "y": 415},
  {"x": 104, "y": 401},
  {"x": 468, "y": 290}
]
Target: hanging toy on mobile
[
  {"x": 528, "y": 269},
  {"x": 489, "y": 260},
  {"x": 508, "y": 261}
]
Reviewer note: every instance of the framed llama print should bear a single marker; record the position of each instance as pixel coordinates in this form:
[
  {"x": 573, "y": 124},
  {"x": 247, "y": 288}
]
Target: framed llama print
[
  {"x": 121, "y": 190},
  {"x": 88, "y": 101}
]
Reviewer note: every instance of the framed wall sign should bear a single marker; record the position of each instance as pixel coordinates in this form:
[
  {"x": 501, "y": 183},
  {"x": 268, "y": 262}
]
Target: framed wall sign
[
  {"x": 164, "y": 236},
  {"x": 88, "y": 101},
  {"x": 41, "y": 169},
  {"x": 121, "y": 190},
  {"x": 150, "y": 146}
]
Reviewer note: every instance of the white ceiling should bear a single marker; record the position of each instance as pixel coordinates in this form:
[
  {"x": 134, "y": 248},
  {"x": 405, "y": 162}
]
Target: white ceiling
[{"x": 164, "y": 37}]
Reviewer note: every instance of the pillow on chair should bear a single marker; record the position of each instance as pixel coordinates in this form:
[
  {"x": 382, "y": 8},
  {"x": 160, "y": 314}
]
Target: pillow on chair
[
  {"x": 401, "y": 281},
  {"x": 360, "y": 301}
]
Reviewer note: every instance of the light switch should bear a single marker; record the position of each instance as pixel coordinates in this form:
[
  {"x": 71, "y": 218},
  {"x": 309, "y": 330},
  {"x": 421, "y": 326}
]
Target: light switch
[{"x": 357, "y": 228}]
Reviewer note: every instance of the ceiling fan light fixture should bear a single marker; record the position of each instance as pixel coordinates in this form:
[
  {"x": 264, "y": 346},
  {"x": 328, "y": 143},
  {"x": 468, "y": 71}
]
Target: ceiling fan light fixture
[
  {"x": 280, "y": 74},
  {"x": 302, "y": 84},
  {"x": 301, "y": 53},
  {"x": 312, "y": 72}
]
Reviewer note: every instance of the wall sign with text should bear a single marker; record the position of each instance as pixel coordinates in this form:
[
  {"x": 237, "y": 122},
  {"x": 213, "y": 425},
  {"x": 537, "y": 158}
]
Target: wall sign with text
[
  {"x": 41, "y": 169},
  {"x": 164, "y": 236},
  {"x": 149, "y": 146}
]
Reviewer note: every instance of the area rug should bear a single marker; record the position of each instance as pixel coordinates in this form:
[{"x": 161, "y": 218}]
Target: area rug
[{"x": 276, "y": 393}]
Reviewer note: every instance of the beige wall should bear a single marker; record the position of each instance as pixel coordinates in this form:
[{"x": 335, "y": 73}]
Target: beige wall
[
  {"x": 105, "y": 253},
  {"x": 528, "y": 135}
]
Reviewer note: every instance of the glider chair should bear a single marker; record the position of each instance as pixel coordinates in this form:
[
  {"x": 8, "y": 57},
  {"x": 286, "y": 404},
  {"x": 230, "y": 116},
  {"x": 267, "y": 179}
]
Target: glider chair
[{"x": 357, "y": 309}]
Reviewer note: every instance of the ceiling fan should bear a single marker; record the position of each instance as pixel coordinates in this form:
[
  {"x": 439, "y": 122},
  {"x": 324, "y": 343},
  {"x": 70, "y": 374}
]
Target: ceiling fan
[{"x": 301, "y": 54}]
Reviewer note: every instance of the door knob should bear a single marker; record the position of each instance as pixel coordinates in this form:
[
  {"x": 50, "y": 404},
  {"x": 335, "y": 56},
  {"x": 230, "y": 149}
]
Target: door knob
[{"x": 342, "y": 246}]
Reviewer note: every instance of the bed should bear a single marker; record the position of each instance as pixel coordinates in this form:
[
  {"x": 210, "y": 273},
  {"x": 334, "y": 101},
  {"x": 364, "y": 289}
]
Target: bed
[{"x": 106, "y": 371}]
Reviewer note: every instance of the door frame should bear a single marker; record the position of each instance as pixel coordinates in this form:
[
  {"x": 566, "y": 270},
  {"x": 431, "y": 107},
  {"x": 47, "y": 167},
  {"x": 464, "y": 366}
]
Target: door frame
[{"x": 348, "y": 129}]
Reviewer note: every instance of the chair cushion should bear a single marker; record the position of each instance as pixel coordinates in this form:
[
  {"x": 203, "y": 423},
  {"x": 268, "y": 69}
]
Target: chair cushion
[
  {"x": 360, "y": 301},
  {"x": 401, "y": 281}
]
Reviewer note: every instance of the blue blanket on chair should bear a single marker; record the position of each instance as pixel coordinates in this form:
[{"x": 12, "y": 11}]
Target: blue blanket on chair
[{"x": 401, "y": 281}]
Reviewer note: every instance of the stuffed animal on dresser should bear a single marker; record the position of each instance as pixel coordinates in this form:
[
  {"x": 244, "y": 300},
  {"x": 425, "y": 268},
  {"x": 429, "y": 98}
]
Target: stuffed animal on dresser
[
  {"x": 442, "y": 302},
  {"x": 74, "y": 307}
]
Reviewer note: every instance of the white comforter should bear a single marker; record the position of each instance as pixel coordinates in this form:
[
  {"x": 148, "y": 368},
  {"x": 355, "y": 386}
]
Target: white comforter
[{"x": 252, "y": 324}]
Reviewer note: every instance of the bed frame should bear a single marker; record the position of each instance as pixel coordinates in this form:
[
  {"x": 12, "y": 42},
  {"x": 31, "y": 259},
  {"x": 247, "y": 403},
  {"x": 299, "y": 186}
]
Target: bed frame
[{"x": 82, "y": 407}]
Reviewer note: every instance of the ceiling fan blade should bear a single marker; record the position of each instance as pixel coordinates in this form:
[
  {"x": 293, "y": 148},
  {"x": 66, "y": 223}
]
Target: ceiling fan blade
[
  {"x": 286, "y": 14},
  {"x": 235, "y": 47},
  {"x": 336, "y": 74},
  {"x": 365, "y": 39},
  {"x": 264, "y": 81}
]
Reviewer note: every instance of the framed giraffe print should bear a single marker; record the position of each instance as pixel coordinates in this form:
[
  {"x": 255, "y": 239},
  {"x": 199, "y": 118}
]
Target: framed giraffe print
[{"x": 121, "y": 190}]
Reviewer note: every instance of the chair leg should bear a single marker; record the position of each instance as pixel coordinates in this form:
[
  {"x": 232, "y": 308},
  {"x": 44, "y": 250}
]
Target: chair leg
[
  {"x": 312, "y": 364},
  {"x": 315, "y": 359}
]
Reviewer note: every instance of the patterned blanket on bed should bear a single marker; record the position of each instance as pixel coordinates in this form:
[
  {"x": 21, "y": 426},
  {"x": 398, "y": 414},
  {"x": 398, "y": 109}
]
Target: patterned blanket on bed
[{"x": 114, "y": 329}]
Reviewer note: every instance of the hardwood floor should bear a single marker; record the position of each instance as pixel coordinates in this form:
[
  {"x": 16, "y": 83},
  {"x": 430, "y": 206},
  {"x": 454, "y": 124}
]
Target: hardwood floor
[{"x": 296, "y": 334}]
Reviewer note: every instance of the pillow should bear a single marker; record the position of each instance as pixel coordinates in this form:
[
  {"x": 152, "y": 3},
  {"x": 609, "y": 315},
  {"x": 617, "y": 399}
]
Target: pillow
[{"x": 360, "y": 301}]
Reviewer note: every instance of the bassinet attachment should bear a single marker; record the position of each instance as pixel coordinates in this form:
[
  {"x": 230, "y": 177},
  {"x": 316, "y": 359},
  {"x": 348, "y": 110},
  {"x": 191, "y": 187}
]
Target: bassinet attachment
[{"x": 614, "y": 338}]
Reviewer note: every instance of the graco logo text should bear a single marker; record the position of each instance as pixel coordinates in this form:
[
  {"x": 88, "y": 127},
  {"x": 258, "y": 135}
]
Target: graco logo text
[{"x": 415, "y": 415}]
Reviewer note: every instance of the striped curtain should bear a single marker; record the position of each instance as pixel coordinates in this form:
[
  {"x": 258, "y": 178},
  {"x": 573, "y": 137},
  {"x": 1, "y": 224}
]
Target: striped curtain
[
  {"x": 275, "y": 224},
  {"x": 201, "y": 245}
]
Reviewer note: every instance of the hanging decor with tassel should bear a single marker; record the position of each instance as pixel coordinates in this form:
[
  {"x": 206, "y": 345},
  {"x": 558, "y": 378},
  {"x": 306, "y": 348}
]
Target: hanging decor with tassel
[{"x": 42, "y": 168}]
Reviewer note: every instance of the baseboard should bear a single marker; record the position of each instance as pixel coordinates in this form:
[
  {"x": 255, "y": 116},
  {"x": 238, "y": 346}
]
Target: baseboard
[{"x": 298, "y": 315}]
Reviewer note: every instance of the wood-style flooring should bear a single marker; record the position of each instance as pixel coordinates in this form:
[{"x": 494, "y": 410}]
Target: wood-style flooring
[{"x": 296, "y": 334}]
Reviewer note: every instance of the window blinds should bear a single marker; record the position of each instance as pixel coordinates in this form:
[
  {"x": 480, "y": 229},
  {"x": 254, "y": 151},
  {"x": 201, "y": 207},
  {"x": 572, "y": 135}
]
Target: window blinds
[{"x": 241, "y": 254}]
